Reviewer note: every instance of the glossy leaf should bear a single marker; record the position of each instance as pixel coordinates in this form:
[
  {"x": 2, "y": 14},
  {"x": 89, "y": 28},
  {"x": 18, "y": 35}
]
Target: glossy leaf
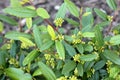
[
  {"x": 61, "y": 12},
  {"x": 88, "y": 34},
  {"x": 37, "y": 72},
  {"x": 26, "y": 41},
  {"x": 7, "y": 19},
  {"x": 87, "y": 20},
  {"x": 80, "y": 48},
  {"x": 73, "y": 22},
  {"x": 30, "y": 57},
  {"x": 70, "y": 49},
  {"x": 99, "y": 65},
  {"x": 43, "y": 13},
  {"x": 115, "y": 40},
  {"x": 88, "y": 57},
  {"x": 29, "y": 22},
  {"x": 17, "y": 74},
  {"x": 46, "y": 45},
  {"x": 69, "y": 66},
  {"x": 80, "y": 69},
  {"x": 60, "y": 49},
  {"x": 88, "y": 65},
  {"x": 112, "y": 4},
  {"x": 112, "y": 56},
  {"x": 14, "y": 35},
  {"x": 88, "y": 48},
  {"x": 15, "y": 47},
  {"x": 20, "y": 12},
  {"x": 46, "y": 71},
  {"x": 114, "y": 71},
  {"x": 51, "y": 32},
  {"x": 101, "y": 14},
  {"x": 99, "y": 37},
  {"x": 72, "y": 8},
  {"x": 37, "y": 37},
  {"x": 2, "y": 58}
]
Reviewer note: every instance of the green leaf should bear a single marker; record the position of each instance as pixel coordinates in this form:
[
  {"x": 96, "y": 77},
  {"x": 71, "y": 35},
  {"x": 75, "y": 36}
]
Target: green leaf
[
  {"x": 80, "y": 69},
  {"x": 37, "y": 72},
  {"x": 43, "y": 13},
  {"x": 61, "y": 12},
  {"x": 46, "y": 71},
  {"x": 101, "y": 14},
  {"x": 1, "y": 26},
  {"x": 15, "y": 3},
  {"x": 21, "y": 12},
  {"x": 26, "y": 41},
  {"x": 15, "y": 35},
  {"x": 112, "y": 4},
  {"x": 88, "y": 65},
  {"x": 69, "y": 66},
  {"x": 103, "y": 25},
  {"x": 17, "y": 74},
  {"x": 99, "y": 37},
  {"x": 29, "y": 22},
  {"x": 115, "y": 40},
  {"x": 60, "y": 49},
  {"x": 112, "y": 56},
  {"x": 51, "y": 32},
  {"x": 2, "y": 58},
  {"x": 88, "y": 34},
  {"x": 88, "y": 57},
  {"x": 80, "y": 48},
  {"x": 87, "y": 20},
  {"x": 99, "y": 65},
  {"x": 8, "y": 20},
  {"x": 37, "y": 36},
  {"x": 88, "y": 48},
  {"x": 114, "y": 71},
  {"x": 30, "y": 57},
  {"x": 71, "y": 21},
  {"x": 46, "y": 45},
  {"x": 72, "y": 8},
  {"x": 15, "y": 47},
  {"x": 70, "y": 49}
]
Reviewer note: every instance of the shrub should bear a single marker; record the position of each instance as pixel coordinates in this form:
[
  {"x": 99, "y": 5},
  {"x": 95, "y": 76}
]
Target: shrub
[{"x": 40, "y": 52}]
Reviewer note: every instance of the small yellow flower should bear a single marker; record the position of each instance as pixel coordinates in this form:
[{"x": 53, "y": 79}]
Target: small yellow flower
[
  {"x": 73, "y": 78},
  {"x": 76, "y": 71},
  {"x": 76, "y": 57},
  {"x": 110, "y": 18},
  {"x": 58, "y": 22},
  {"x": 62, "y": 78}
]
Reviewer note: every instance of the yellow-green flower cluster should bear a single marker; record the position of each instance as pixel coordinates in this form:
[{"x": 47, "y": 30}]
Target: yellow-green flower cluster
[
  {"x": 109, "y": 63},
  {"x": 115, "y": 32},
  {"x": 76, "y": 71},
  {"x": 49, "y": 60},
  {"x": 62, "y": 78},
  {"x": 76, "y": 39},
  {"x": 76, "y": 58},
  {"x": 60, "y": 37},
  {"x": 13, "y": 61},
  {"x": 58, "y": 22},
  {"x": 73, "y": 78},
  {"x": 110, "y": 18}
]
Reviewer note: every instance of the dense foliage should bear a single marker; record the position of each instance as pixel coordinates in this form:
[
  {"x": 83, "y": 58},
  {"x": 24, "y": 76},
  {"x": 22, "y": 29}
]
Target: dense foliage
[{"x": 40, "y": 52}]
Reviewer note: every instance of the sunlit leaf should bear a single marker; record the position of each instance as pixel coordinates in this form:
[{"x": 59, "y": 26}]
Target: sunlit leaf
[{"x": 46, "y": 71}]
